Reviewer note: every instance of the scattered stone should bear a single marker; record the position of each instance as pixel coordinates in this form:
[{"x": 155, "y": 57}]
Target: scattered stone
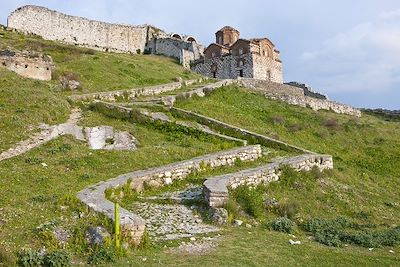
[
  {"x": 153, "y": 183},
  {"x": 104, "y": 137},
  {"x": 271, "y": 202},
  {"x": 248, "y": 225},
  {"x": 168, "y": 181},
  {"x": 160, "y": 116},
  {"x": 61, "y": 235},
  {"x": 219, "y": 216},
  {"x": 292, "y": 242},
  {"x": 371, "y": 249},
  {"x": 192, "y": 239},
  {"x": 237, "y": 222},
  {"x": 170, "y": 222},
  {"x": 201, "y": 247},
  {"x": 96, "y": 235},
  {"x": 70, "y": 82},
  {"x": 391, "y": 251},
  {"x": 44, "y": 164},
  {"x": 178, "y": 79}
]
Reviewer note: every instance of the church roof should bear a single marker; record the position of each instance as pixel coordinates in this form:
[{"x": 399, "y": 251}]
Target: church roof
[{"x": 227, "y": 28}]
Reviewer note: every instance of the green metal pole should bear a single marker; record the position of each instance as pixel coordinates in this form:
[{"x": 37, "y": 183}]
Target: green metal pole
[{"x": 116, "y": 227}]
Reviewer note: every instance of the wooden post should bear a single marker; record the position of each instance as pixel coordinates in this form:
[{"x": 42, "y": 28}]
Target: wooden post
[{"x": 116, "y": 226}]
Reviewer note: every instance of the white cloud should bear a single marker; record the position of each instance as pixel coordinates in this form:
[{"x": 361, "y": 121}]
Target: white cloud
[{"x": 364, "y": 58}]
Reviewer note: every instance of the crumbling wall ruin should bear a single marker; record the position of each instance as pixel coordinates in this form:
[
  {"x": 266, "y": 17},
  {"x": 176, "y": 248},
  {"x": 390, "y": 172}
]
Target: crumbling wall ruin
[
  {"x": 56, "y": 26},
  {"x": 27, "y": 64}
]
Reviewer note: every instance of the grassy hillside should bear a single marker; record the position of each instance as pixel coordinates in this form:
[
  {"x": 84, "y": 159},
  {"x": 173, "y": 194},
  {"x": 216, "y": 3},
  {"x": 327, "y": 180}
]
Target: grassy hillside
[
  {"x": 24, "y": 102},
  {"x": 365, "y": 150},
  {"x": 38, "y": 188}
]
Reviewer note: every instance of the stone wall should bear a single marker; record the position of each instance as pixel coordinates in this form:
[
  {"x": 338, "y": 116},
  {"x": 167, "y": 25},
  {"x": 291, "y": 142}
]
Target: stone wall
[
  {"x": 225, "y": 67},
  {"x": 132, "y": 93},
  {"x": 297, "y": 96},
  {"x": 267, "y": 68},
  {"x": 183, "y": 50},
  {"x": 52, "y": 25},
  {"x": 216, "y": 189},
  {"x": 28, "y": 64},
  {"x": 249, "y": 65},
  {"x": 56, "y": 26},
  {"x": 133, "y": 226}
]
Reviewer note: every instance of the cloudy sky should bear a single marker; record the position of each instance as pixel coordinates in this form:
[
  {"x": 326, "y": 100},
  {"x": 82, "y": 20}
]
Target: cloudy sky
[{"x": 347, "y": 49}]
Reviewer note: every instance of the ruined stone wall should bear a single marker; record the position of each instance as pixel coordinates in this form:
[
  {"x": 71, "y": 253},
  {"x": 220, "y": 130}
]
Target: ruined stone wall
[
  {"x": 271, "y": 87},
  {"x": 180, "y": 49},
  {"x": 29, "y": 65},
  {"x": 52, "y": 25},
  {"x": 267, "y": 68},
  {"x": 216, "y": 189},
  {"x": 297, "y": 96},
  {"x": 227, "y": 67}
]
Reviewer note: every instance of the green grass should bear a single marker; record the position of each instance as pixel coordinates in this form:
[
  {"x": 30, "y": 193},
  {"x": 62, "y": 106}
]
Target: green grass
[
  {"x": 365, "y": 150},
  {"x": 260, "y": 247},
  {"x": 24, "y": 103}
]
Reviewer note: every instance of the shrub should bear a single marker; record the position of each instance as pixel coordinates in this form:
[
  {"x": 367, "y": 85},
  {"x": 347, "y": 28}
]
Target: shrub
[
  {"x": 233, "y": 210},
  {"x": 101, "y": 255},
  {"x": 57, "y": 258},
  {"x": 335, "y": 232},
  {"x": 332, "y": 124},
  {"x": 295, "y": 128},
  {"x": 328, "y": 237},
  {"x": 28, "y": 258},
  {"x": 282, "y": 224},
  {"x": 278, "y": 119},
  {"x": 288, "y": 210},
  {"x": 251, "y": 200}
]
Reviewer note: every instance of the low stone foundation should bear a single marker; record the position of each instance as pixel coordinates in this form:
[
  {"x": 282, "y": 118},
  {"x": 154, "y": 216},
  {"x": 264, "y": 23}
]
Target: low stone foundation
[
  {"x": 133, "y": 226},
  {"x": 216, "y": 191}
]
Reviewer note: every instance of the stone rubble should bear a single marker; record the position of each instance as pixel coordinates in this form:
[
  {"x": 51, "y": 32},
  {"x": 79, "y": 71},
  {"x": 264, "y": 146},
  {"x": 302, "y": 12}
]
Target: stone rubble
[{"x": 170, "y": 222}]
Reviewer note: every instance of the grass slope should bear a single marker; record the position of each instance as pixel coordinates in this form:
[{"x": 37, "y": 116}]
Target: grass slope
[
  {"x": 31, "y": 192},
  {"x": 365, "y": 150},
  {"x": 24, "y": 103}
]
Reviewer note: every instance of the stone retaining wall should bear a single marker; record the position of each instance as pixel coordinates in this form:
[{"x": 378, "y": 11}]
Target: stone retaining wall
[
  {"x": 216, "y": 189},
  {"x": 297, "y": 96},
  {"x": 133, "y": 226},
  {"x": 133, "y": 93}
]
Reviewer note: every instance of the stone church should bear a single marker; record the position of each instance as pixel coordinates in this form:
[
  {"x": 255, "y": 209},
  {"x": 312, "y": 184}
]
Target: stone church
[{"x": 231, "y": 57}]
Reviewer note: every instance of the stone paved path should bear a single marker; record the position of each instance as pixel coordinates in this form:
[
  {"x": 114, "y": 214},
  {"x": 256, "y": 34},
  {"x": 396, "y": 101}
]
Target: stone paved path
[{"x": 170, "y": 222}]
